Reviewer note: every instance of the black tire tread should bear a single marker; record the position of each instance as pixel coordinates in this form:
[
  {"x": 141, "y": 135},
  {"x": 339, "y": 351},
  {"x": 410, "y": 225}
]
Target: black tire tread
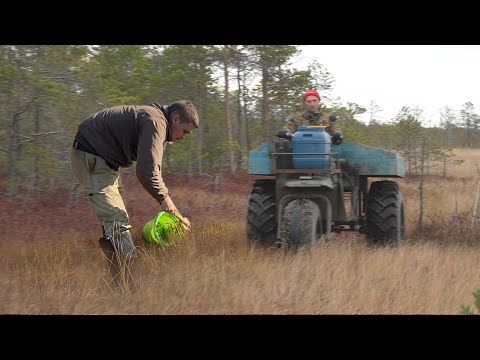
[
  {"x": 300, "y": 221},
  {"x": 261, "y": 216},
  {"x": 385, "y": 218}
]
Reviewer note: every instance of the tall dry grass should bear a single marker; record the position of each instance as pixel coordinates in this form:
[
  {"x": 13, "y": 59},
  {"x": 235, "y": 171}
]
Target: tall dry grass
[{"x": 214, "y": 271}]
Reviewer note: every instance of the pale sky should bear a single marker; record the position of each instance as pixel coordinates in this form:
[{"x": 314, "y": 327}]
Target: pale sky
[{"x": 428, "y": 76}]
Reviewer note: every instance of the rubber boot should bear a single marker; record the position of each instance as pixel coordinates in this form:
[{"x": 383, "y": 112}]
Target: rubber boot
[
  {"x": 112, "y": 261},
  {"x": 120, "y": 252},
  {"x": 123, "y": 243}
]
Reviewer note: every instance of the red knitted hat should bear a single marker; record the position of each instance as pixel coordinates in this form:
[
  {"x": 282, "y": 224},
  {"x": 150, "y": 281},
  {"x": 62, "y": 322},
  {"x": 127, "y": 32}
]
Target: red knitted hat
[{"x": 311, "y": 93}]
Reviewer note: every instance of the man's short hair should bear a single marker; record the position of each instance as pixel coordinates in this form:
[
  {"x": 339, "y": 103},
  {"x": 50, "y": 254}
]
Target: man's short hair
[{"x": 187, "y": 111}]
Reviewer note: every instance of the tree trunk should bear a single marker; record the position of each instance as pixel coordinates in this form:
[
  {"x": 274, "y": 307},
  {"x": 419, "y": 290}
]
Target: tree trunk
[
  {"x": 265, "y": 112},
  {"x": 239, "y": 118},
  {"x": 14, "y": 148},
  {"x": 36, "y": 164},
  {"x": 227, "y": 109},
  {"x": 245, "y": 117}
]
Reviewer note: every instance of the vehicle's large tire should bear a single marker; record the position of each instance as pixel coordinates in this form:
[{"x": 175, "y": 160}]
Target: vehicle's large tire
[
  {"x": 261, "y": 217},
  {"x": 385, "y": 214},
  {"x": 301, "y": 222}
]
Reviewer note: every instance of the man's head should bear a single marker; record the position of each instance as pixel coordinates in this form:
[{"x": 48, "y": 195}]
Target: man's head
[
  {"x": 311, "y": 100},
  {"x": 183, "y": 119}
]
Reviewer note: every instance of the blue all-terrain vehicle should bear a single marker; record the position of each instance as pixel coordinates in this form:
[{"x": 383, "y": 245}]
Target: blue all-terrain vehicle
[{"x": 312, "y": 189}]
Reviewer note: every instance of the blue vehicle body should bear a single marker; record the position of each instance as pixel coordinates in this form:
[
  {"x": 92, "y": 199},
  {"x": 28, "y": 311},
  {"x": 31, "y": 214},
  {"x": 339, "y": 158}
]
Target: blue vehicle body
[{"x": 368, "y": 160}]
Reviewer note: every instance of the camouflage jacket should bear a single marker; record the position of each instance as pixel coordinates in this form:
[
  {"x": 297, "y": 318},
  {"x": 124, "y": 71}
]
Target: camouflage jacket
[{"x": 310, "y": 118}]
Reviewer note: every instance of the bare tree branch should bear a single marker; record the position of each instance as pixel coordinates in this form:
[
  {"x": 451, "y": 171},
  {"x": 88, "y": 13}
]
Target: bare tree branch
[
  {"x": 21, "y": 111},
  {"x": 48, "y": 133},
  {"x": 24, "y": 136},
  {"x": 16, "y": 116},
  {"x": 59, "y": 78},
  {"x": 33, "y": 137}
]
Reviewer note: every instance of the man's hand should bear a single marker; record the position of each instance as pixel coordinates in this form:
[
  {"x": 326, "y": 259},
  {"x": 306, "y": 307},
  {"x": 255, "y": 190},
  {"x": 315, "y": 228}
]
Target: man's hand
[
  {"x": 172, "y": 209},
  {"x": 283, "y": 134},
  {"x": 184, "y": 221},
  {"x": 337, "y": 138},
  {"x": 169, "y": 205}
]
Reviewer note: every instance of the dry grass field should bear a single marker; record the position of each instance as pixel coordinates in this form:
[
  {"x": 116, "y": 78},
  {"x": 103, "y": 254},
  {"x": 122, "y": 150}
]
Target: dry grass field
[{"x": 51, "y": 262}]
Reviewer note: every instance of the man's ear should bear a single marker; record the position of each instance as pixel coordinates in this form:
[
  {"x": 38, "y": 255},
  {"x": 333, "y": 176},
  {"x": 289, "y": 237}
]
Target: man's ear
[{"x": 176, "y": 117}]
